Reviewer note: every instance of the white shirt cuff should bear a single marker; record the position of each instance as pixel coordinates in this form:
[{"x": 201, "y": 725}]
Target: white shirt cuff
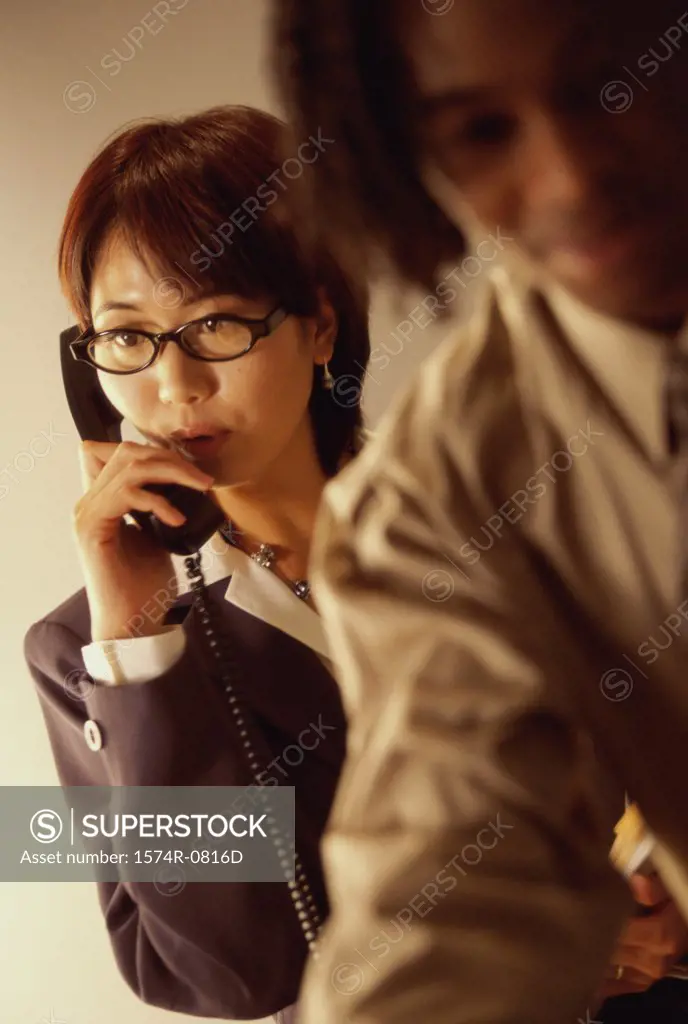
[{"x": 135, "y": 659}]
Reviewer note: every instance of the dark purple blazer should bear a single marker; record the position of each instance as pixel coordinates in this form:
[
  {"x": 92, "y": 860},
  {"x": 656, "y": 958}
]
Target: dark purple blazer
[{"x": 223, "y": 950}]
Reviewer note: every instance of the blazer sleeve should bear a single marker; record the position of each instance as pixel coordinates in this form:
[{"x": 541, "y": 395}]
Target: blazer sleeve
[
  {"x": 467, "y": 850},
  {"x": 219, "y": 950}
]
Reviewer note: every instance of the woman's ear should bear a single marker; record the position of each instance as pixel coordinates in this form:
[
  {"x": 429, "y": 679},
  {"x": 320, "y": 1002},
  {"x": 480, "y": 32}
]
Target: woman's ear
[{"x": 326, "y": 326}]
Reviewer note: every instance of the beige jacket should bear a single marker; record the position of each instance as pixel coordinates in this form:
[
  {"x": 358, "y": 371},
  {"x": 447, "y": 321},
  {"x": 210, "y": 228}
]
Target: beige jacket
[{"x": 500, "y": 573}]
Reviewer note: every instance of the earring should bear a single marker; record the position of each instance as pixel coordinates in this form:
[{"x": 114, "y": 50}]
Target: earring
[{"x": 327, "y": 379}]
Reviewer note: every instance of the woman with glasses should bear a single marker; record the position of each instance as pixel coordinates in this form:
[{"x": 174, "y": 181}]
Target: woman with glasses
[{"x": 223, "y": 342}]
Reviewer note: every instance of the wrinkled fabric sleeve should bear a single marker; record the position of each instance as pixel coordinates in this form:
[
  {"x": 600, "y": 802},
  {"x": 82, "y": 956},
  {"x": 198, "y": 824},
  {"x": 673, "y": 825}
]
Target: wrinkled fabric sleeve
[{"x": 467, "y": 852}]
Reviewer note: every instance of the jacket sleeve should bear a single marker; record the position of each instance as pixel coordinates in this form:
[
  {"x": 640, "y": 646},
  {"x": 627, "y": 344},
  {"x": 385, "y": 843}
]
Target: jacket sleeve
[
  {"x": 467, "y": 851},
  {"x": 219, "y": 950}
]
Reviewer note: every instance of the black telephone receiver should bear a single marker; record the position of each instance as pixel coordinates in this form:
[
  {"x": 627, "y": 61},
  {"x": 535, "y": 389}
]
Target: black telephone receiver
[{"x": 97, "y": 419}]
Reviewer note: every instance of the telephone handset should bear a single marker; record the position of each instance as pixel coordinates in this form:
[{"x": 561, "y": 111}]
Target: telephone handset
[{"x": 97, "y": 419}]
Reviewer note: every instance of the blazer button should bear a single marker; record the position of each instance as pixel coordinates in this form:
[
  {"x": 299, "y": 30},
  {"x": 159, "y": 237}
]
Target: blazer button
[{"x": 93, "y": 735}]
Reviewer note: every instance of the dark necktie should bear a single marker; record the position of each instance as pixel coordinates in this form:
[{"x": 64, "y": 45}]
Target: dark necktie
[{"x": 677, "y": 402}]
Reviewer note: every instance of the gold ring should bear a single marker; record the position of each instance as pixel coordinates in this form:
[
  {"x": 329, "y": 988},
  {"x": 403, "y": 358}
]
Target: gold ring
[{"x": 619, "y": 973}]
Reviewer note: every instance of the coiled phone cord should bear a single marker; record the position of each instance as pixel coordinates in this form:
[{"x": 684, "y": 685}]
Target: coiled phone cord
[{"x": 300, "y": 891}]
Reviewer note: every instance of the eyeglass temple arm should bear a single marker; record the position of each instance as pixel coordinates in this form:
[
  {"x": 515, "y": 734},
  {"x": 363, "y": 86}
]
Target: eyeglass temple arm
[{"x": 274, "y": 319}]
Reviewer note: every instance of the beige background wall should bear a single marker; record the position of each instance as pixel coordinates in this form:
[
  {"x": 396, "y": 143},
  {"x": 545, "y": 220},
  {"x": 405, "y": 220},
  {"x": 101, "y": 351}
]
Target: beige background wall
[{"x": 64, "y": 89}]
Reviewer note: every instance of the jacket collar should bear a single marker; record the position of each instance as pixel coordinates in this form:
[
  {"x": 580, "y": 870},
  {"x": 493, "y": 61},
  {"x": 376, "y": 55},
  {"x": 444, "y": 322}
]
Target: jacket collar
[{"x": 259, "y": 592}]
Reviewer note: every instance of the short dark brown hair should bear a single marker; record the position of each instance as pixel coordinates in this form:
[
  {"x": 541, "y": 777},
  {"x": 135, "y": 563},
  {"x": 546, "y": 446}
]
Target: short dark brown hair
[
  {"x": 167, "y": 186},
  {"x": 339, "y": 67}
]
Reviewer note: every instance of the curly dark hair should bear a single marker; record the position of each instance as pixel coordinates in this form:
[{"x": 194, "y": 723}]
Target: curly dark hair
[
  {"x": 340, "y": 68},
  {"x": 168, "y": 186}
]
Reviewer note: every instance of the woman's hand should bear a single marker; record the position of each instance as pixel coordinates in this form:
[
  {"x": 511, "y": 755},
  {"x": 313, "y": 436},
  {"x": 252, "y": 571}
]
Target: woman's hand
[
  {"x": 123, "y": 568},
  {"x": 649, "y": 945}
]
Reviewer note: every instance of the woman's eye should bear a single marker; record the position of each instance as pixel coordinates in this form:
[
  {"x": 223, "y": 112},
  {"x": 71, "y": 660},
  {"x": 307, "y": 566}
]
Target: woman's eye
[{"x": 125, "y": 340}]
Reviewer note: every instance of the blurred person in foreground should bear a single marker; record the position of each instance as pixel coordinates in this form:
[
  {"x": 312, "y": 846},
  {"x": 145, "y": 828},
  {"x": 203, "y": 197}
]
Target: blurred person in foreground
[{"x": 503, "y": 571}]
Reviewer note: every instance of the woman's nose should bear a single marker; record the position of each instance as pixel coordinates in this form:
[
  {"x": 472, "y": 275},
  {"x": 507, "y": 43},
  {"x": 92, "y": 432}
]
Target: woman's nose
[{"x": 181, "y": 379}]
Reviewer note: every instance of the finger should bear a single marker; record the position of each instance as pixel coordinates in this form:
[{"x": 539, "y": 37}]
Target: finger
[
  {"x": 648, "y": 890},
  {"x": 662, "y": 932},
  {"x": 130, "y": 457},
  {"x": 643, "y": 960},
  {"x": 93, "y": 456},
  {"x": 105, "y": 505},
  {"x": 104, "y": 451},
  {"x": 129, "y": 499},
  {"x": 147, "y": 501},
  {"x": 169, "y": 456},
  {"x": 153, "y": 472},
  {"x": 631, "y": 981}
]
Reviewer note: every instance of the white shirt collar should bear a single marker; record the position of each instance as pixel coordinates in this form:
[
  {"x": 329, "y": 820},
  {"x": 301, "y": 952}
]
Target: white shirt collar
[
  {"x": 628, "y": 362},
  {"x": 259, "y": 592}
]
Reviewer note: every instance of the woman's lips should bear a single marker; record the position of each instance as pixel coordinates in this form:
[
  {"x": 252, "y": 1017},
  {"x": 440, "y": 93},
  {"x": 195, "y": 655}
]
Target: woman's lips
[{"x": 203, "y": 447}]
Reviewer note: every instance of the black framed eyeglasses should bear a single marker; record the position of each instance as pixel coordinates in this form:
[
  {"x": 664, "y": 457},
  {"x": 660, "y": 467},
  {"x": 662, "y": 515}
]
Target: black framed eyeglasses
[{"x": 215, "y": 338}]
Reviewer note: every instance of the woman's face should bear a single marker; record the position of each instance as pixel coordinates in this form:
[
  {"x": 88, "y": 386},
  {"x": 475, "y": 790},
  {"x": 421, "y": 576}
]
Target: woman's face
[{"x": 260, "y": 399}]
